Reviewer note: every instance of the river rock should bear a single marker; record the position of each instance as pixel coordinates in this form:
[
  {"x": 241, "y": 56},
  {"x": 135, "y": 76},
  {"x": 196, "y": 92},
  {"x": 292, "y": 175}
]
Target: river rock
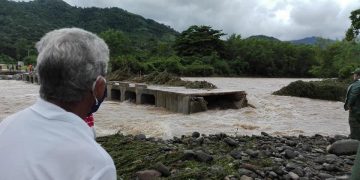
[
  {"x": 148, "y": 175},
  {"x": 188, "y": 155},
  {"x": 165, "y": 171},
  {"x": 203, "y": 157},
  {"x": 330, "y": 158},
  {"x": 318, "y": 150},
  {"x": 177, "y": 140},
  {"x": 290, "y": 166},
  {"x": 290, "y": 143},
  {"x": 325, "y": 176},
  {"x": 343, "y": 177},
  {"x": 195, "y": 134},
  {"x": 344, "y": 147},
  {"x": 236, "y": 154},
  {"x": 293, "y": 176},
  {"x": 244, "y": 177},
  {"x": 165, "y": 148},
  {"x": 230, "y": 141},
  {"x": 299, "y": 171},
  {"x": 252, "y": 153},
  {"x": 243, "y": 171},
  {"x": 289, "y": 154},
  {"x": 230, "y": 177},
  {"x": 306, "y": 147},
  {"x": 272, "y": 174},
  {"x": 199, "y": 140},
  {"x": 140, "y": 137},
  {"x": 329, "y": 167},
  {"x": 249, "y": 167},
  {"x": 221, "y": 135}
]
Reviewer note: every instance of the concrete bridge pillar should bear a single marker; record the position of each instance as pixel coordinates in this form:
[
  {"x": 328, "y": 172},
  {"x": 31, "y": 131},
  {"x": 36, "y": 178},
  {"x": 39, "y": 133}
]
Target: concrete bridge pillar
[
  {"x": 31, "y": 78},
  {"x": 139, "y": 88},
  {"x": 36, "y": 78},
  {"x": 122, "y": 92},
  {"x": 123, "y": 86},
  {"x": 116, "y": 90}
]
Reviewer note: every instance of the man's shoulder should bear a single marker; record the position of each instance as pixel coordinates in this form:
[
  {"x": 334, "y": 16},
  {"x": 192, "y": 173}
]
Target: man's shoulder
[
  {"x": 18, "y": 116},
  {"x": 356, "y": 83}
]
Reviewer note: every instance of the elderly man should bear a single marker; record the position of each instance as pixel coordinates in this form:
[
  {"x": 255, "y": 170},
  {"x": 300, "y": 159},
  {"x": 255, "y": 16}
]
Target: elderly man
[
  {"x": 352, "y": 103},
  {"x": 50, "y": 140}
]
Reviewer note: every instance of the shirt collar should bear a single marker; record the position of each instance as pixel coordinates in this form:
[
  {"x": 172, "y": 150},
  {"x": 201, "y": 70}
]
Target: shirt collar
[{"x": 53, "y": 112}]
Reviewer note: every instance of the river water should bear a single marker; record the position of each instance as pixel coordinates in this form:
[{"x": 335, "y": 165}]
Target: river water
[{"x": 276, "y": 115}]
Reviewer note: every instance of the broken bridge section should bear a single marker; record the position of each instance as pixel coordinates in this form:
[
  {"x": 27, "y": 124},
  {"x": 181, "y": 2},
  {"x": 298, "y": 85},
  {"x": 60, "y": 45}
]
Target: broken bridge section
[{"x": 177, "y": 99}]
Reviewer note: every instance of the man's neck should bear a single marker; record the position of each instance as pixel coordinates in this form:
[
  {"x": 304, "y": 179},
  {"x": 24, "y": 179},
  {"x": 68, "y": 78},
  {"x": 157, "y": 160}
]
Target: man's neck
[{"x": 73, "y": 107}]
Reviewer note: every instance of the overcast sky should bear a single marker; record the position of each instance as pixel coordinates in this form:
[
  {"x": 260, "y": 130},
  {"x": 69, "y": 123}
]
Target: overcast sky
[{"x": 282, "y": 19}]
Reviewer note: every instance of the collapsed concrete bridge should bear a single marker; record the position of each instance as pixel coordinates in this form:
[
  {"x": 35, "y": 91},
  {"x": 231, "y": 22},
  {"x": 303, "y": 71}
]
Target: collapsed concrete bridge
[{"x": 175, "y": 99}]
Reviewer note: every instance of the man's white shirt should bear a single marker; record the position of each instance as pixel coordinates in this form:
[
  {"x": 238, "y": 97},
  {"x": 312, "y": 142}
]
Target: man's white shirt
[{"x": 46, "y": 142}]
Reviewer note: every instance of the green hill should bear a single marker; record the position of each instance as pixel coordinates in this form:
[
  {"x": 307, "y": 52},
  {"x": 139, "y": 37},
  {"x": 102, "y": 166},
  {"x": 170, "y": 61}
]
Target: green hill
[
  {"x": 23, "y": 23},
  {"x": 263, "y": 37},
  {"x": 313, "y": 40}
]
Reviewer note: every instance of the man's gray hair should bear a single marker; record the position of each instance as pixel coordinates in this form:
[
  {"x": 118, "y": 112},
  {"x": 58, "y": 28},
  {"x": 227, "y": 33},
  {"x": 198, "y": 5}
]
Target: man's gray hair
[{"x": 69, "y": 62}]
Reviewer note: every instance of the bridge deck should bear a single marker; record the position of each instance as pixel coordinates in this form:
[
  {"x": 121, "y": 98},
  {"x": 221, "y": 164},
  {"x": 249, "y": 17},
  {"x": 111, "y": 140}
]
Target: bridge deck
[{"x": 176, "y": 99}]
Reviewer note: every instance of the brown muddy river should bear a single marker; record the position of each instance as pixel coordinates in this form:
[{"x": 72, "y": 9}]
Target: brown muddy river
[{"x": 277, "y": 115}]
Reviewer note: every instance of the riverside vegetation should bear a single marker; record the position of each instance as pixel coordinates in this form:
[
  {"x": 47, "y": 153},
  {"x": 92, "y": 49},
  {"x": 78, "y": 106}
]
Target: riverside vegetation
[
  {"x": 159, "y": 78},
  {"x": 328, "y": 89},
  {"x": 142, "y": 45}
]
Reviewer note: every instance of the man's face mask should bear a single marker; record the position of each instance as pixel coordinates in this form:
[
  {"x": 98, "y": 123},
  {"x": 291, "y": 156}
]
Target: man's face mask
[{"x": 97, "y": 104}]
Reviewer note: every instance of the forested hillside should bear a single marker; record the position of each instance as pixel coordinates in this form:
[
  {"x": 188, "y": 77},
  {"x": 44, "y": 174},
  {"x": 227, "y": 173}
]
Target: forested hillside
[{"x": 23, "y": 23}]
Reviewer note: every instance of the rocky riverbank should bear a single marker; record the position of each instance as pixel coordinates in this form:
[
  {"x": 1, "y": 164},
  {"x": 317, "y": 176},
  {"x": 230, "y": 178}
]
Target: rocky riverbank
[{"x": 225, "y": 157}]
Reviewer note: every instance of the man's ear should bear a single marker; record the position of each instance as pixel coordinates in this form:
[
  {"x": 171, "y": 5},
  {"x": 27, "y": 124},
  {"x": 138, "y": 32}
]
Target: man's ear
[{"x": 100, "y": 87}]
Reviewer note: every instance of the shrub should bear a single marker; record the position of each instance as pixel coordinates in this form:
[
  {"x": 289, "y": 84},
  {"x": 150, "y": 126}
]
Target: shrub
[
  {"x": 328, "y": 89},
  {"x": 198, "y": 70},
  {"x": 171, "y": 65},
  {"x": 165, "y": 78},
  {"x": 345, "y": 72},
  {"x": 5, "y": 59},
  {"x": 126, "y": 63}
]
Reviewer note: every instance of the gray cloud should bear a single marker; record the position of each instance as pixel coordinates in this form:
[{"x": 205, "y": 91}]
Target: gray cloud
[{"x": 283, "y": 19}]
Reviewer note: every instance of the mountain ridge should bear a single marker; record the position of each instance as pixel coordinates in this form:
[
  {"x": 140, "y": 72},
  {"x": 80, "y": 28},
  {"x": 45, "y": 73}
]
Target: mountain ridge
[
  {"x": 26, "y": 22},
  {"x": 311, "y": 40}
]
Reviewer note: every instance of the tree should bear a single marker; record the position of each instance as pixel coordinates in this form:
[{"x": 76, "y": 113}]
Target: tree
[
  {"x": 5, "y": 59},
  {"x": 118, "y": 43},
  {"x": 233, "y": 44},
  {"x": 22, "y": 48},
  {"x": 30, "y": 60},
  {"x": 199, "y": 41},
  {"x": 353, "y": 31}
]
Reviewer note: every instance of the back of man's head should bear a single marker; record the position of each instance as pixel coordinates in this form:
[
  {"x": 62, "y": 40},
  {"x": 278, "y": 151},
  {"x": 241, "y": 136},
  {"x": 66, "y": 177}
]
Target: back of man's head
[{"x": 69, "y": 62}]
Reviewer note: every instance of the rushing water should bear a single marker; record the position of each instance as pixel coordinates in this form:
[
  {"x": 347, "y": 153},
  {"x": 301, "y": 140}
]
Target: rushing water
[{"x": 277, "y": 115}]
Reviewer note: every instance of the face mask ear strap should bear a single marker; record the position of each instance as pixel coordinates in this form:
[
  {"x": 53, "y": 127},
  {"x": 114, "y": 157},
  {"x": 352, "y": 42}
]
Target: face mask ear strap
[{"x": 93, "y": 89}]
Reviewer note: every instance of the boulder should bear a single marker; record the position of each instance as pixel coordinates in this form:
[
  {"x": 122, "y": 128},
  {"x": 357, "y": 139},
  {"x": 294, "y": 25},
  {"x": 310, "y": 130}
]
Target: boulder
[
  {"x": 343, "y": 147},
  {"x": 195, "y": 134},
  {"x": 203, "y": 157},
  {"x": 230, "y": 141}
]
